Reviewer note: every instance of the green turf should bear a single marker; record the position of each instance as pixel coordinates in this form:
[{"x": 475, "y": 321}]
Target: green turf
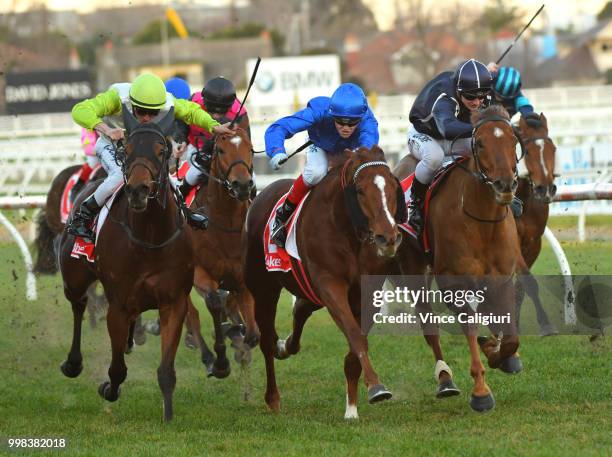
[{"x": 560, "y": 405}]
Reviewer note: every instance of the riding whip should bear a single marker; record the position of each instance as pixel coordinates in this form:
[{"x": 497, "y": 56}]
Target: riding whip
[
  {"x": 519, "y": 35},
  {"x": 301, "y": 148},
  {"x": 247, "y": 92}
]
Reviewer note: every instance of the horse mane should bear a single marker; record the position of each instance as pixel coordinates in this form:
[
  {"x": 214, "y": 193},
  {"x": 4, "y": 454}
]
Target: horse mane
[{"x": 490, "y": 112}]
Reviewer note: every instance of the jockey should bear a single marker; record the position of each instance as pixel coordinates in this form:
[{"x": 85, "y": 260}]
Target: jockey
[
  {"x": 507, "y": 92},
  {"x": 440, "y": 119},
  {"x": 88, "y": 141},
  {"x": 218, "y": 97},
  {"x": 147, "y": 99},
  {"x": 334, "y": 124}
]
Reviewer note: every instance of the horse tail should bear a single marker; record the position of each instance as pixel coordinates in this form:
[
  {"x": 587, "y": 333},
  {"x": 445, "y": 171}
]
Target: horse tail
[{"x": 46, "y": 262}]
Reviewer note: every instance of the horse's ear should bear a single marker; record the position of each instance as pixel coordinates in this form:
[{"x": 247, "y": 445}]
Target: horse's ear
[
  {"x": 401, "y": 212},
  {"x": 544, "y": 121},
  {"x": 522, "y": 125},
  {"x": 129, "y": 121},
  {"x": 166, "y": 123}
]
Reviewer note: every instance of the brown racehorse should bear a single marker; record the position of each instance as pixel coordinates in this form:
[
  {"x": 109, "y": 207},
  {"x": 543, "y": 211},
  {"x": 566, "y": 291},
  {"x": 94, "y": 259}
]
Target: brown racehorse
[
  {"x": 536, "y": 191},
  {"x": 348, "y": 228},
  {"x": 225, "y": 200},
  {"x": 473, "y": 233},
  {"x": 144, "y": 260}
]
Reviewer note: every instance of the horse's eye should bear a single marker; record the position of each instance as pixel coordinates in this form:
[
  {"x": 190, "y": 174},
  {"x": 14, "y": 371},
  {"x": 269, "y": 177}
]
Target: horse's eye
[{"x": 359, "y": 191}]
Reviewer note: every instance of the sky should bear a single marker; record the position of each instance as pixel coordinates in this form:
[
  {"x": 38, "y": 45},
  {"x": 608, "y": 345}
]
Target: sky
[{"x": 560, "y": 12}]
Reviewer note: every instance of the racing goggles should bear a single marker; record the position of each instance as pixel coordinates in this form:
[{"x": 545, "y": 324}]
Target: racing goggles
[
  {"x": 139, "y": 111},
  {"x": 480, "y": 95},
  {"x": 347, "y": 121}
]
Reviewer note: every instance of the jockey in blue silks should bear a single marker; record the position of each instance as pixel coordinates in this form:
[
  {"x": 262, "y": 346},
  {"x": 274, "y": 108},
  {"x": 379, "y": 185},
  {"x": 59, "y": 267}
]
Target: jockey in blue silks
[
  {"x": 334, "y": 124},
  {"x": 507, "y": 92},
  {"x": 440, "y": 119}
]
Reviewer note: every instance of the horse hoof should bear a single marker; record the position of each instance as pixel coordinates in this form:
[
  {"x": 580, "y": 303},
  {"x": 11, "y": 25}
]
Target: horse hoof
[
  {"x": 482, "y": 340},
  {"x": 447, "y": 389},
  {"x": 105, "y": 391},
  {"x": 252, "y": 340},
  {"x": 70, "y": 370},
  {"x": 129, "y": 347},
  {"x": 220, "y": 372},
  {"x": 511, "y": 365},
  {"x": 140, "y": 337},
  {"x": 548, "y": 330},
  {"x": 234, "y": 331},
  {"x": 482, "y": 404},
  {"x": 281, "y": 352},
  {"x": 152, "y": 327},
  {"x": 378, "y": 393},
  {"x": 190, "y": 341}
]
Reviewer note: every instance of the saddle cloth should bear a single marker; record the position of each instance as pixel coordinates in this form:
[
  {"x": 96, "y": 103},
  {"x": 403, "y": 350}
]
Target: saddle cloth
[{"x": 86, "y": 248}]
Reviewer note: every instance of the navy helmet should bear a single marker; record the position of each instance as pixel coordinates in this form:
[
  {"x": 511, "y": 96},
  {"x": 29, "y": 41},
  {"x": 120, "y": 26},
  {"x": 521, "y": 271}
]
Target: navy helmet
[
  {"x": 507, "y": 82},
  {"x": 219, "y": 94},
  {"x": 348, "y": 103},
  {"x": 472, "y": 77},
  {"x": 179, "y": 88}
]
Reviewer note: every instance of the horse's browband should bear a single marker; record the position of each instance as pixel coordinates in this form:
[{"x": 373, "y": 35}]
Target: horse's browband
[
  {"x": 368, "y": 164},
  {"x": 492, "y": 119}
]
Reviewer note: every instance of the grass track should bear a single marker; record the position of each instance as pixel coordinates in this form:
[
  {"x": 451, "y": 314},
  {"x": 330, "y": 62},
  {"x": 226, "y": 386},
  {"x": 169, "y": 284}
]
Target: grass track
[{"x": 560, "y": 405}]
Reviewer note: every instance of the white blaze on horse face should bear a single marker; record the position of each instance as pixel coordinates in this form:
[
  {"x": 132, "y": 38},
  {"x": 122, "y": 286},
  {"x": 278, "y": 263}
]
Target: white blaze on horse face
[
  {"x": 498, "y": 132},
  {"x": 236, "y": 141},
  {"x": 380, "y": 183},
  {"x": 351, "y": 410},
  {"x": 540, "y": 143}
]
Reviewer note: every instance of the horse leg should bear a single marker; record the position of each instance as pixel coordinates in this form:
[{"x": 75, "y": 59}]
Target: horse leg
[
  {"x": 352, "y": 372},
  {"x": 302, "y": 310},
  {"x": 73, "y": 365},
  {"x": 192, "y": 321},
  {"x": 118, "y": 324},
  {"x": 221, "y": 367},
  {"x": 246, "y": 305},
  {"x": 140, "y": 334},
  {"x": 482, "y": 398},
  {"x": 442, "y": 372},
  {"x": 236, "y": 332},
  {"x": 172, "y": 317},
  {"x": 533, "y": 290},
  {"x": 335, "y": 297},
  {"x": 266, "y": 299}
]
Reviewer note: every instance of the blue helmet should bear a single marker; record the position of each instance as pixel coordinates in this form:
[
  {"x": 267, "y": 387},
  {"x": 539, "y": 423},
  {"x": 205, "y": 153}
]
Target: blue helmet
[
  {"x": 473, "y": 77},
  {"x": 348, "y": 101},
  {"x": 507, "y": 82},
  {"x": 179, "y": 88}
]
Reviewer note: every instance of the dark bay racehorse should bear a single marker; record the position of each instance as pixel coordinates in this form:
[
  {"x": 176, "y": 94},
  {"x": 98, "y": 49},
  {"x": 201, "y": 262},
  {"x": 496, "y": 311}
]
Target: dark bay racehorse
[
  {"x": 472, "y": 233},
  {"x": 225, "y": 200},
  {"x": 144, "y": 260},
  {"x": 348, "y": 228},
  {"x": 536, "y": 191}
]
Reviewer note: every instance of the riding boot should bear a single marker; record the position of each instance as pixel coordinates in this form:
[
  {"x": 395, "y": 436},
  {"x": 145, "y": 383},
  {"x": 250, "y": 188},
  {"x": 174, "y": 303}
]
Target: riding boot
[
  {"x": 78, "y": 186},
  {"x": 417, "y": 201},
  {"x": 279, "y": 231},
  {"x": 185, "y": 188},
  {"x": 517, "y": 207},
  {"x": 81, "y": 222}
]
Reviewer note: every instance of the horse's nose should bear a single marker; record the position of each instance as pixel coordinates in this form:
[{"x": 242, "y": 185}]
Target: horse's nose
[
  {"x": 137, "y": 195},
  {"x": 503, "y": 186},
  {"x": 243, "y": 189},
  {"x": 388, "y": 245},
  {"x": 552, "y": 189}
]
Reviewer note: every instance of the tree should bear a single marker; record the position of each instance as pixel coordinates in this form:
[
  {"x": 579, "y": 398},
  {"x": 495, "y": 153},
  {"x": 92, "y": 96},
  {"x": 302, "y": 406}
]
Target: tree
[
  {"x": 498, "y": 15},
  {"x": 151, "y": 33}
]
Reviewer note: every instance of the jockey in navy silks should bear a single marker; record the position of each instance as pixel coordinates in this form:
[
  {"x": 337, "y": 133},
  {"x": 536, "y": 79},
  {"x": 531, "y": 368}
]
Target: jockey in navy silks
[
  {"x": 334, "y": 124},
  {"x": 440, "y": 119}
]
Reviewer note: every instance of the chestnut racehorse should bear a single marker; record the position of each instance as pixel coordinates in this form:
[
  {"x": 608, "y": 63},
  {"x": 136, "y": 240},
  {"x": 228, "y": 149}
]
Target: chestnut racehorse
[
  {"x": 225, "y": 201},
  {"x": 144, "y": 260},
  {"x": 472, "y": 233},
  {"x": 536, "y": 191},
  {"x": 347, "y": 228}
]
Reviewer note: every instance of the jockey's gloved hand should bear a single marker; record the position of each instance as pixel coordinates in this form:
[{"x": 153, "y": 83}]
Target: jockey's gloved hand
[
  {"x": 533, "y": 120},
  {"x": 275, "y": 161}
]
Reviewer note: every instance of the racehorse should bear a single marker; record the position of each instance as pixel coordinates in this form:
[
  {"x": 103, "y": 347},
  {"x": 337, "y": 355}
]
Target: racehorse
[
  {"x": 472, "y": 234},
  {"x": 225, "y": 201},
  {"x": 347, "y": 228},
  {"x": 143, "y": 258},
  {"x": 536, "y": 191}
]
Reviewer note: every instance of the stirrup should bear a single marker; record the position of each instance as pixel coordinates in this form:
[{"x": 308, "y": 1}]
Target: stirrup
[{"x": 279, "y": 234}]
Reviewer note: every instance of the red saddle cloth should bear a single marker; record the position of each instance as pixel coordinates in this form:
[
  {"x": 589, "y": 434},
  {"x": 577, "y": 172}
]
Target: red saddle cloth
[
  {"x": 279, "y": 259},
  {"x": 180, "y": 175},
  {"x": 65, "y": 203},
  {"x": 439, "y": 177},
  {"x": 86, "y": 248}
]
